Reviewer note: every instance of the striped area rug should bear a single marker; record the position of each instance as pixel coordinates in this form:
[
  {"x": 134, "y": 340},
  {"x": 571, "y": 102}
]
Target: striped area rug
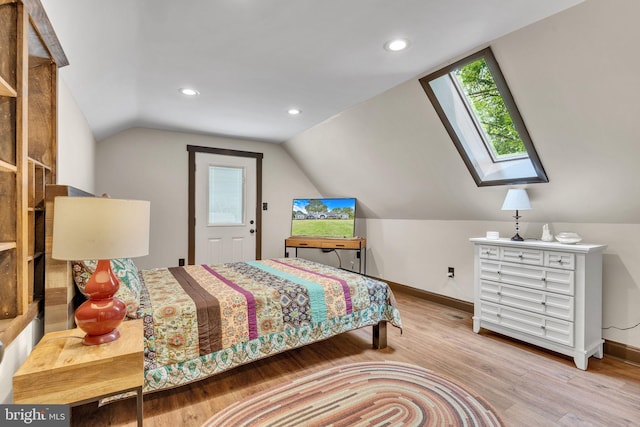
[{"x": 362, "y": 394}]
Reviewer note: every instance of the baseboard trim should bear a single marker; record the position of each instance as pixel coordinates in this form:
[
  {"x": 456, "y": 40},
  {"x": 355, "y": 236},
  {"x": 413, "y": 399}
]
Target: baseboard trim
[
  {"x": 618, "y": 350},
  {"x": 622, "y": 351},
  {"x": 433, "y": 297}
]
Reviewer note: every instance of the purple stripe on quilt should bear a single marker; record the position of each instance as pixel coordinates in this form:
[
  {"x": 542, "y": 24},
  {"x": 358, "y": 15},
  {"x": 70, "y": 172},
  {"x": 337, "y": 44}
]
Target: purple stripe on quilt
[
  {"x": 251, "y": 302},
  {"x": 207, "y": 311},
  {"x": 345, "y": 287}
]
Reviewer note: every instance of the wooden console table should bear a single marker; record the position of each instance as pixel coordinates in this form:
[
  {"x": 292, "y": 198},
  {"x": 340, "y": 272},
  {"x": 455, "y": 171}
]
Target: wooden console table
[
  {"x": 61, "y": 370},
  {"x": 358, "y": 244}
]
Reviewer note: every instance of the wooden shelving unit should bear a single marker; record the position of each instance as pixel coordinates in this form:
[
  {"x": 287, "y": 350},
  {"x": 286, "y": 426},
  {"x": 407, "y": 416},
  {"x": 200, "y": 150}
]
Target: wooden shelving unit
[{"x": 30, "y": 55}]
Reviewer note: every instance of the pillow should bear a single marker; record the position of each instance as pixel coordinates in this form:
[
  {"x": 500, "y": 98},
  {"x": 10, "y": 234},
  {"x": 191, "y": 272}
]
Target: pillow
[{"x": 127, "y": 274}]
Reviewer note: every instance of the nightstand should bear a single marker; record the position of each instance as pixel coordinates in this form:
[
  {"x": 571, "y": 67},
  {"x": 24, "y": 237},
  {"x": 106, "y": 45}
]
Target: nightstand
[{"x": 61, "y": 370}]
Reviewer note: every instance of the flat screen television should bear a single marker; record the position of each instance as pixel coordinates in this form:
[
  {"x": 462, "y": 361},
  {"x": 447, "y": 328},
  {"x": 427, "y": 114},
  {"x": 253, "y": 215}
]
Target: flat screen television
[{"x": 324, "y": 217}]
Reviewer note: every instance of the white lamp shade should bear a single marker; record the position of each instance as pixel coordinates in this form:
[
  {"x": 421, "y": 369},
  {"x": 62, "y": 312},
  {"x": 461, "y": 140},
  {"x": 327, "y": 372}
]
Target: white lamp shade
[
  {"x": 517, "y": 199},
  {"x": 99, "y": 228}
]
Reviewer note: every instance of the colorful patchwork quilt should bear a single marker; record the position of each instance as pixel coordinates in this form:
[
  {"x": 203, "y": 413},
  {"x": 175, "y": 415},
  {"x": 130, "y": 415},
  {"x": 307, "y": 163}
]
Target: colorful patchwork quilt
[{"x": 201, "y": 320}]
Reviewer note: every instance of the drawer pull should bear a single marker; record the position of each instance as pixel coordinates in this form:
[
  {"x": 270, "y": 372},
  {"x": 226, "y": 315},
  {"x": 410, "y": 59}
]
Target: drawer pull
[
  {"x": 520, "y": 256},
  {"x": 498, "y": 293},
  {"x": 544, "y": 279},
  {"x": 543, "y": 303},
  {"x": 542, "y": 327}
]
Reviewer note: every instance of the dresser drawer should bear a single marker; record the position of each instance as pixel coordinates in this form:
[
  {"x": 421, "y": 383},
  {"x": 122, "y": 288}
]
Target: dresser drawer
[
  {"x": 560, "y": 260},
  {"x": 540, "y": 326},
  {"x": 542, "y": 278},
  {"x": 489, "y": 252},
  {"x": 525, "y": 256},
  {"x": 540, "y": 302}
]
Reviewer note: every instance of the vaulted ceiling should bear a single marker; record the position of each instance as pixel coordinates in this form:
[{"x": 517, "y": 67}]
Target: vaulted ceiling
[{"x": 252, "y": 60}]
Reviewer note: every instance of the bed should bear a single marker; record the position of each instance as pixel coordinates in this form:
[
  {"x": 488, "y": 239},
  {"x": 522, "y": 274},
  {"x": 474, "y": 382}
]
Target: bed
[{"x": 201, "y": 320}]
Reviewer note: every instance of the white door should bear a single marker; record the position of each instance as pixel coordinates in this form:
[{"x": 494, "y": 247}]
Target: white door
[{"x": 225, "y": 204}]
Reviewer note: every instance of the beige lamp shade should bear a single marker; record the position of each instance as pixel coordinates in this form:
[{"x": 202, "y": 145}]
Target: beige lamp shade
[{"x": 100, "y": 228}]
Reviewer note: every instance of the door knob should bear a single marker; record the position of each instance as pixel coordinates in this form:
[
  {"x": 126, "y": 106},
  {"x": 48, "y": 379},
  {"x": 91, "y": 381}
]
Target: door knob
[{"x": 252, "y": 231}]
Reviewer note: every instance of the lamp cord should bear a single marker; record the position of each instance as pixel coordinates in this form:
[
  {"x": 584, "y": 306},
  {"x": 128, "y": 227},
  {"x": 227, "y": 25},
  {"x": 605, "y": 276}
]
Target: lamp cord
[
  {"x": 622, "y": 329},
  {"x": 339, "y": 259}
]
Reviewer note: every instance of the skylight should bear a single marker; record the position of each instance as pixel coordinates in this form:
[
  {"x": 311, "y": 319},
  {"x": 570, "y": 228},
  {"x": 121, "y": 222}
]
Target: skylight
[{"x": 476, "y": 107}]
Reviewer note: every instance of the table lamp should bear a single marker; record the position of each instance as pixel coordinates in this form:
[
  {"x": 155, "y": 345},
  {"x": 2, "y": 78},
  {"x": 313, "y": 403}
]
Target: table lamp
[
  {"x": 100, "y": 228},
  {"x": 517, "y": 200}
]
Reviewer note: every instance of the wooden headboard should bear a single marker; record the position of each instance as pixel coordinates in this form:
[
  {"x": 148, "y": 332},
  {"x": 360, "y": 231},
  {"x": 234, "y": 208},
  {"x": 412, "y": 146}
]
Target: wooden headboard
[{"x": 59, "y": 290}]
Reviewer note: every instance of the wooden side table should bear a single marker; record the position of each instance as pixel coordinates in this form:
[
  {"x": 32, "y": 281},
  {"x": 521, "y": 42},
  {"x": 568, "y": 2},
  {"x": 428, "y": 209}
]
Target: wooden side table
[
  {"x": 61, "y": 370},
  {"x": 358, "y": 244}
]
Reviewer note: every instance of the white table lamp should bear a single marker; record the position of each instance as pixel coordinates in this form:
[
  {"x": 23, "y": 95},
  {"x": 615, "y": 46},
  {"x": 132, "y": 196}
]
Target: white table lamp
[{"x": 516, "y": 200}]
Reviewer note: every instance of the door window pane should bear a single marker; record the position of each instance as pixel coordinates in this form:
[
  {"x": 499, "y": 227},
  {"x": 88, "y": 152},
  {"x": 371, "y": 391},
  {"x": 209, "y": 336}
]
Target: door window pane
[{"x": 226, "y": 195}]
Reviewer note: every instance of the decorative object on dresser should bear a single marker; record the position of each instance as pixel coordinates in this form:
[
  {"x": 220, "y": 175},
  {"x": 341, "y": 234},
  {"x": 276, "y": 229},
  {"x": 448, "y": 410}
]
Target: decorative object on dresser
[
  {"x": 102, "y": 229},
  {"x": 568, "y": 237},
  {"x": 516, "y": 200},
  {"x": 546, "y": 234},
  {"x": 545, "y": 293},
  {"x": 494, "y": 235}
]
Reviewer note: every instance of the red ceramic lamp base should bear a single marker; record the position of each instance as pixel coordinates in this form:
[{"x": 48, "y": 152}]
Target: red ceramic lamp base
[
  {"x": 102, "y": 313},
  {"x": 101, "y": 339}
]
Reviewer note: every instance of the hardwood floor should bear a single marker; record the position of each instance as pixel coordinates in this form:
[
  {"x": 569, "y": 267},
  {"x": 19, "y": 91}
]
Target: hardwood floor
[{"x": 527, "y": 386}]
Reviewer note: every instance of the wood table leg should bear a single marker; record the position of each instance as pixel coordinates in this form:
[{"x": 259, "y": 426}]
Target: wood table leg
[{"x": 139, "y": 406}]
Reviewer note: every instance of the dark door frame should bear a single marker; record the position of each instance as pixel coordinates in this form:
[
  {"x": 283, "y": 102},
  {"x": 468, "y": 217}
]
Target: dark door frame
[{"x": 193, "y": 149}]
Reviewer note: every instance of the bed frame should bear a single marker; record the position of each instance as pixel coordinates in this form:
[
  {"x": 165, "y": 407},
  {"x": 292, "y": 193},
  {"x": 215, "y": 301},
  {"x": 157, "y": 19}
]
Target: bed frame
[{"x": 60, "y": 296}]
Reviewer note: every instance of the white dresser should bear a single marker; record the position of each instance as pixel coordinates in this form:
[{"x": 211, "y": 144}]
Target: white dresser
[{"x": 544, "y": 293}]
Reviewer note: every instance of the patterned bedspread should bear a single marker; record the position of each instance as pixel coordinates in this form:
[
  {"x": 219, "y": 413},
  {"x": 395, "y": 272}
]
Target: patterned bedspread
[{"x": 201, "y": 320}]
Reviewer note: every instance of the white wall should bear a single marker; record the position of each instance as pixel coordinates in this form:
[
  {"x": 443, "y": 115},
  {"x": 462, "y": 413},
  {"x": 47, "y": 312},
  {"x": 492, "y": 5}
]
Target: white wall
[
  {"x": 15, "y": 355},
  {"x": 153, "y": 165},
  {"x": 574, "y": 78},
  {"x": 76, "y": 145}
]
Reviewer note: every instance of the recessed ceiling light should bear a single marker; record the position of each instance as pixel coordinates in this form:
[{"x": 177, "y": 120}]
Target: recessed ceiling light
[
  {"x": 396, "y": 45},
  {"x": 188, "y": 91},
  {"x": 294, "y": 111}
]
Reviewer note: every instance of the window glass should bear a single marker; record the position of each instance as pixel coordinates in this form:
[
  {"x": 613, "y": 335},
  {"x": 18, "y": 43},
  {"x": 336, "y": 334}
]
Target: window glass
[
  {"x": 226, "y": 195},
  {"x": 479, "y": 113}
]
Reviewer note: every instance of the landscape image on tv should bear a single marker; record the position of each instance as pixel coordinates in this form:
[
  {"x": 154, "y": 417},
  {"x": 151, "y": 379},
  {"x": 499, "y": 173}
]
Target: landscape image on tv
[{"x": 324, "y": 217}]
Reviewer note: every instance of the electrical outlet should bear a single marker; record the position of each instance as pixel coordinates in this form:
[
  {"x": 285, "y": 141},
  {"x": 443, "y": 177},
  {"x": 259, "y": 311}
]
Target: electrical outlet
[
  {"x": 450, "y": 272},
  {"x": 180, "y": 262}
]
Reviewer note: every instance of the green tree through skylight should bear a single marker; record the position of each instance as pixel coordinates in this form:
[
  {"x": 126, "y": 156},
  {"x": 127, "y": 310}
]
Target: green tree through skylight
[{"x": 480, "y": 89}]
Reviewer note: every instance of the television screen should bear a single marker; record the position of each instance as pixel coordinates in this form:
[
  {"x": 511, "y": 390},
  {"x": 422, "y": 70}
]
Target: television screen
[{"x": 323, "y": 217}]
